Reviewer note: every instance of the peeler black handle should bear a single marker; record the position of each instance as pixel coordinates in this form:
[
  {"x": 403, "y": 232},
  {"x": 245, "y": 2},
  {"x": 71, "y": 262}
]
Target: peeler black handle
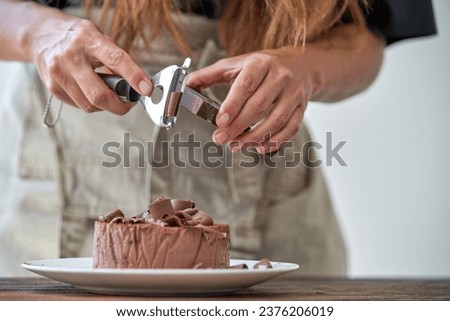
[{"x": 121, "y": 87}]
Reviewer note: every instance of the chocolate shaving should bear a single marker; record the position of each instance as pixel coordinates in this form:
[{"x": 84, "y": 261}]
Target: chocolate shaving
[
  {"x": 161, "y": 208},
  {"x": 180, "y": 205},
  {"x": 262, "y": 265},
  {"x": 183, "y": 215},
  {"x": 174, "y": 103},
  {"x": 202, "y": 218},
  {"x": 190, "y": 211},
  {"x": 179, "y": 218},
  {"x": 111, "y": 216},
  {"x": 172, "y": 221},
  {"x": 164, "y": 212},
  {"x": 241, "y": 266},
  {"x": 118, "y": 219}
]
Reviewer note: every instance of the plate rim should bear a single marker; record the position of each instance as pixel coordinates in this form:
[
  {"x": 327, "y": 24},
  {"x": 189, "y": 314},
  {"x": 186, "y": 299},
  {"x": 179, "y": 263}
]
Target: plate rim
[
  {"x": 156, "y": 282},
  {"x": 37, "y": 265}
]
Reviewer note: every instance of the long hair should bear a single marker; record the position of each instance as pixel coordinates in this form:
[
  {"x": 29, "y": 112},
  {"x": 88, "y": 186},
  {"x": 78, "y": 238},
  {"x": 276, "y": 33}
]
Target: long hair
[{"x": 244, "y": 26}]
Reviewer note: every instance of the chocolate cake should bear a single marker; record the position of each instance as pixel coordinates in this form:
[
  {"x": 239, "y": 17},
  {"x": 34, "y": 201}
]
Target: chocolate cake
[{"x": 171, "y": 234}]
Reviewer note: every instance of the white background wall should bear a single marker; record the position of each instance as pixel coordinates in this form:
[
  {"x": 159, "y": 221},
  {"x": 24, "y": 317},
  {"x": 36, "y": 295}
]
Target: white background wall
[{"x": 393, "y": 198}]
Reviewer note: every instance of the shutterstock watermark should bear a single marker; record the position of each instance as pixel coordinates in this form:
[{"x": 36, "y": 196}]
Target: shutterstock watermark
[{"x": 192, "y": 152}]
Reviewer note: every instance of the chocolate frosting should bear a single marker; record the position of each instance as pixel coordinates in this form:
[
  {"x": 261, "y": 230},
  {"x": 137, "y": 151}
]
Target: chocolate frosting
[
  {"x": 154, "y": 239},
  {"x": 152, "y": 246},
  {"x": 121, "y": 243}
]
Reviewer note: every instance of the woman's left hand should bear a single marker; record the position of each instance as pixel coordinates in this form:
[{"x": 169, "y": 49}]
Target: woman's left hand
[{"x": 265, "y": 95}]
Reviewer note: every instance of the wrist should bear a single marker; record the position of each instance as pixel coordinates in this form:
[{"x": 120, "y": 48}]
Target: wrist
[
  {"x": 40, "y": 20},
  {"x": 302, "y": 61}
]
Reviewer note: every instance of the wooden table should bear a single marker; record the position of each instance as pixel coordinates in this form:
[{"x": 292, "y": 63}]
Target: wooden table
[{"x": 316, "y": 289}]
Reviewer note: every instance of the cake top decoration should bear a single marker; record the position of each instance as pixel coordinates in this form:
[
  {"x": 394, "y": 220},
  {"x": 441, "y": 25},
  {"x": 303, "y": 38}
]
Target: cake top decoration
[{"x": 164, "y": 212}]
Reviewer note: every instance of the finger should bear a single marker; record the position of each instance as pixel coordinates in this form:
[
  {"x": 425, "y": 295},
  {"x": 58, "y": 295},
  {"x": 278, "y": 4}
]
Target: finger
[
  {"x": 79, "y": 98},
  {"x": 223, "y": 71},
  {"x": 244, "y": 86},
  {"x": 276, "y": 120},
  {"x": 246, "y": 74},
  {"x": 254, "y": 109},
  {"x": 121, "y": 63},
  {"x": 275, "y": 142},
  {"x": 65, "y": 88},
  {"x": 56, "y": 90},
  {"x": 97, "y": 94}
]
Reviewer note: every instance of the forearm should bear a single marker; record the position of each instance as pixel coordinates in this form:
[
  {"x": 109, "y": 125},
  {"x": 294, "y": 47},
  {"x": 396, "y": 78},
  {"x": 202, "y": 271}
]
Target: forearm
[
  {"x": 341, "y": 64},
  {"x": 21, "y": 21}
]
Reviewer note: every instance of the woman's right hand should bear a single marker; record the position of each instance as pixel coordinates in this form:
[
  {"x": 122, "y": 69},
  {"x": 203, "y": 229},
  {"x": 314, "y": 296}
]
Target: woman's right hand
[{"x": 66, "y": 51}]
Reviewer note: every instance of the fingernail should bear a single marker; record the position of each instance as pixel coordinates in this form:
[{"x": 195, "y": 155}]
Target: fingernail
[
  {"x": 145, "y": 87},
  {"x": 220, "y": 137},
  {"x": 224, "y": 119}
]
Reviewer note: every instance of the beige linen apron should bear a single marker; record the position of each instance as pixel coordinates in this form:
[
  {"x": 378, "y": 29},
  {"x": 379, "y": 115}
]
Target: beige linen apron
[{"x": 280, "y": 213}]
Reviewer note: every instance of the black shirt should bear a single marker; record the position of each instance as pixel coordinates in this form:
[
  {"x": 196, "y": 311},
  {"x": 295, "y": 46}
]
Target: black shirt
[
  {"x": 401, "y": 19},
  {"x": 395, "y": 20},
  {"x": 60, "y": 4}
]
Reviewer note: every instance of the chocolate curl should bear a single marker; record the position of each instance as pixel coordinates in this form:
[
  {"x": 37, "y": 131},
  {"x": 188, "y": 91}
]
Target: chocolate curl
[
  {"x": 262, "y": 265},
  {"x": 179, "y": 205},
  {"x": 202, "y": 218},
  {"x": 190, "y": 211},
  {"x": 118, "y": 219},
  {"x": 241, "y": 266},
  {"x": 172, "y": 221},
  {"x": 161, "y": 209},
  {"x": 179, "y": 218},
  {"x": 174, "y": 103},
  {"x": 184, "y": 217},
  {"x": 137, "y": 220},
  {"x": 111, "y": 216}
]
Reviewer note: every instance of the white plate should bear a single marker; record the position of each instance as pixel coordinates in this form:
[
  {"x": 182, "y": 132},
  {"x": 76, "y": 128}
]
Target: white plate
[{"x": 80, "y": 273}]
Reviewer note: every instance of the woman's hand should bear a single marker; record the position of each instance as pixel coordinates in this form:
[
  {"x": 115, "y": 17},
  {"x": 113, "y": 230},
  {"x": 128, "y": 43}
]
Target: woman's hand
[
  {"x": 270, "y": 89},
  {"x": 266, "y": 95},
  {"x": 66, "y": 54},
  {"x": 66, "y": 51}
]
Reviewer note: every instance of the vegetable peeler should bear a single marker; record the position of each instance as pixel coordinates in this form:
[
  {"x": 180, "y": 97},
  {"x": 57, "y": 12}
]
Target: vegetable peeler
[{"x": 169, "y": 93}]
